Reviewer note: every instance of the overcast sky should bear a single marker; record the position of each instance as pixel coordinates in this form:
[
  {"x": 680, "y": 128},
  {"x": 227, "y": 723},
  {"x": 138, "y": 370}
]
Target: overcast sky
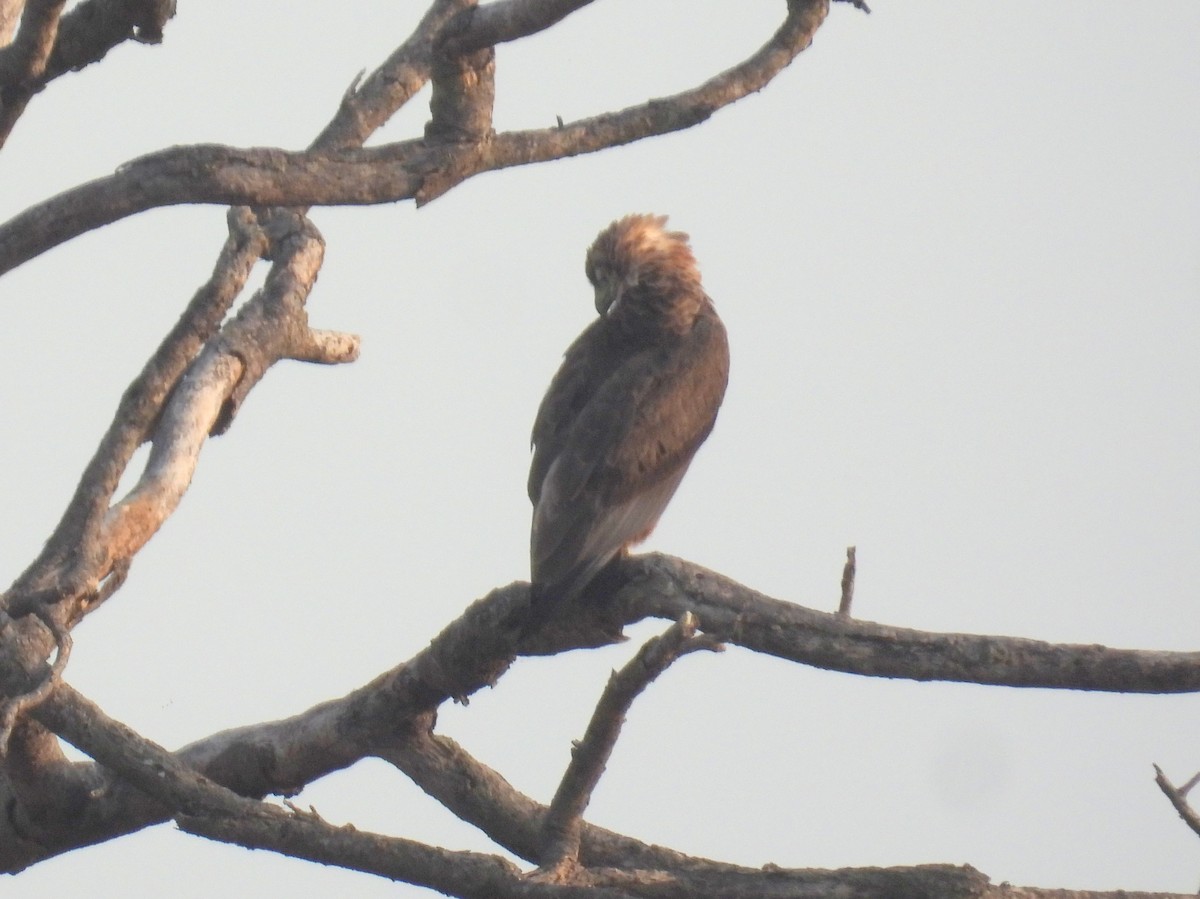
[{"x": 957, "y": 249}]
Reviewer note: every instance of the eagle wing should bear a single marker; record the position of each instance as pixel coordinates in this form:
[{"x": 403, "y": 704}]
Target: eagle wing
[
  {"x": 587, "y": 365},
  {"x": 613, "y": 440}
]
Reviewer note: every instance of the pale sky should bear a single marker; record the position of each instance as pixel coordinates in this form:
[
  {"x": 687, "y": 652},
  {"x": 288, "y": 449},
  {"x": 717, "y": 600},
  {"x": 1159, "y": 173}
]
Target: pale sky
[{"x": 957, "y": 249}]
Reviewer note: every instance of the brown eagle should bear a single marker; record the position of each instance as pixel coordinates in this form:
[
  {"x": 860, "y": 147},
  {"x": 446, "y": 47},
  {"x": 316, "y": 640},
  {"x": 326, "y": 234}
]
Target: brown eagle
[{"x": 636, "y": 395}]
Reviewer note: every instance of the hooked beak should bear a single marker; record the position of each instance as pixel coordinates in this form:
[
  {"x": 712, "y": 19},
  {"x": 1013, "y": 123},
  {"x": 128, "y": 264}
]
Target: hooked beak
[{"x": 608, "y": 295}]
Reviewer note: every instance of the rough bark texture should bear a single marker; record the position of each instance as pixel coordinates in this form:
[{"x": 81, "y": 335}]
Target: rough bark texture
[{"x": 192, "y": 388}]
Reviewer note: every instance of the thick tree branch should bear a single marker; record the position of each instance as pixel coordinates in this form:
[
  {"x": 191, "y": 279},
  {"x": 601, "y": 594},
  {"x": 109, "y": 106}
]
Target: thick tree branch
[
  {"x": 409, "y": 170},
  {"x": 17, "y": 705},
  {"x": 367, "y": 106},
  {"x": 656, "y": 117},
  {"x": 46, "y": 47},
  {"x": 94, "y": 27},
  {"x": 90, "y": 553},
  {"x": 482, "y": 797},
  {"x": 200, "y": 174},
  {"x": 195, "y": 384},
  {"x": 389, "y": 716},
  {"x": 139, "y": 409},
  {"x": 10, "y": 15},
  {"x": 23, "y": 62},
  {"x": 203, "y": 807},
  {"x": 509, "y": 20},
  {"x": 665, "y": 587},
  {"x": 207, "y": 808},
  {"x": 270, "y": 327},
  {"x": 39, "y": 790},
  {"x": 144, "y": 764}
]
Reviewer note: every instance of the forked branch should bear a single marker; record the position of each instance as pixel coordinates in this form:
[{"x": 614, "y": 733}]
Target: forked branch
[
  {"x": 193, "y": 386},
  {"x": 408, "y": 170},
  {"x": 563, "y": 823},
  {"x": 391, "y": 716},
  {"x": 1178, "y": 798}
]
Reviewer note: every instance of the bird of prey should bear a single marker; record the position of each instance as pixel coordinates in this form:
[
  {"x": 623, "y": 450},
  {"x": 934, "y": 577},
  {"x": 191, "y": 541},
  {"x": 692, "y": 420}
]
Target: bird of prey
[{"x": 636, "y": 395}]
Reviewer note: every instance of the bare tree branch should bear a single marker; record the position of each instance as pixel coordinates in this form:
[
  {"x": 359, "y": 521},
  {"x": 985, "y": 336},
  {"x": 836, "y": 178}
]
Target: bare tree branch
[
  {"x": 16, "y": 705},
  {"x": 206, "y": 174},
  {"x": 46, "y": 47},
  {"x": 481, "y": 796},
  {"x": 848, "y": 573},
  {"x": 367, "y": 106},
  {"x": 563, "y": 823},
  {"x": 89, "y": 554},
  {"x": 466, "y": 874},
  {"x": 508, "y": 20},
  {"x": 232, "y": 819},
  {"x": 205, "y": 808},
  {"x": 10, "y": 15},
  {"x": 270, "y": 177},
  {"x": 23, "y": 62},
  {"x": 665, "y": 587},
  {"x": 661, "y": 116},
  {"x": 141, "y": 762},
  {"x": 194, "y": 385},
  {"x": 270, "y": 327},
  {"x": 389, "y": 716},
  {"x": 1178, "y": 798},
  {"x": 139, "y": 409},
  {"x": 94, "y": 27}
]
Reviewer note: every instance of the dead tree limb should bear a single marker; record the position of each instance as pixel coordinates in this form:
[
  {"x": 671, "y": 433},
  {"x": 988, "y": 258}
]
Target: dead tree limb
[
  {"x": 194, "y": 385},
  {"x": 562, "y": 825},
  {"x": 410, "y": 170}
]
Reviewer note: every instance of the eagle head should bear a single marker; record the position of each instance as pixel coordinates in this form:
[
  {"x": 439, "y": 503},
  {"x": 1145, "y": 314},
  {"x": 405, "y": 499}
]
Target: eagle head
[{"x": 644, "y": 273}]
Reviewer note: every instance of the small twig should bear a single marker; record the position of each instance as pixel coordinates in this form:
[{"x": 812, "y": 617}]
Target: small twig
[
  {"x": 309, "y": 813},
  {"x": 1178, "y": 798},
  {"x": 561, "y": 829},
  {"x": 325, "y": 347},
  {"x": 848, "y": 573},
  {"x": 857, "y": 4}
]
